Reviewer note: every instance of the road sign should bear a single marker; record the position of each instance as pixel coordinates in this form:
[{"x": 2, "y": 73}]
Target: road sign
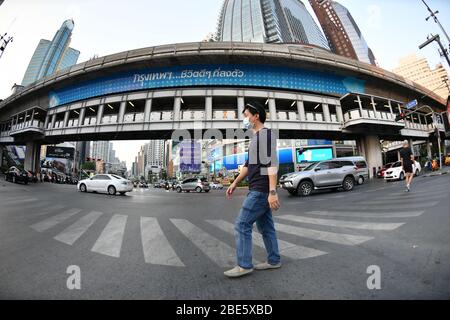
[{"x": 411, "y": 104}]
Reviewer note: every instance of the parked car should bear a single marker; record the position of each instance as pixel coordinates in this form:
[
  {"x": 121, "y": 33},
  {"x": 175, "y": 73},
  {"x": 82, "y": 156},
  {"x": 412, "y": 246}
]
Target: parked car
[
  {"x": 193, "y": 184},
  {"x": 380, "y": 173},
  {"x": 396, "y": 171},
  {"x": 143, "y": 185},
  {"x": 109, "y": 183},
  {"x": 216, "y": 185},
  {"x": 363, "y": 168},
  {"x": 331, "y": 174},
  {"x": 15, "y": 175}
]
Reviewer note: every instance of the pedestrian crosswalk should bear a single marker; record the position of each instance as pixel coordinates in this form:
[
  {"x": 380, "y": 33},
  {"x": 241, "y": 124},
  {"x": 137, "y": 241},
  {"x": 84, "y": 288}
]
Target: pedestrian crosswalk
[{"x": 343, "y": 225}]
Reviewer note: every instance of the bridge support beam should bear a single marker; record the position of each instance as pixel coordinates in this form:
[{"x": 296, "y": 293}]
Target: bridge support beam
[
  {"x": 429, "y": 155},
  {"x": 241, "y": 104},
  {"x": 32, "y": 155},
  {"x": 272, "y": 109},
  {"x": 301, "y": 111},
  {"x": 369, "y": 147},
  {"x": 147, "y": 110},
  {"x": 326, "y": 112},
  {"x": 208, "y": 108},
  {"x": 1, "y": 155}
]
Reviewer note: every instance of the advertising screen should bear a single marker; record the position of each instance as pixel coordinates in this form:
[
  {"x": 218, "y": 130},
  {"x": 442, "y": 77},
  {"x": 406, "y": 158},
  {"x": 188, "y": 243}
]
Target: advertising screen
[
  {"x": 60, "y": 152},
  {"x": 313, "y": 154}
]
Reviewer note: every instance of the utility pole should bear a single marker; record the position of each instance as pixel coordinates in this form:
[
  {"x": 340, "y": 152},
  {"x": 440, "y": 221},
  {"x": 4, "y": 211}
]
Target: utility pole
[
  {"x": 4, "y": 43},
  {"x": 435, "y": 18},
  {"x": 436, "y": 38}
]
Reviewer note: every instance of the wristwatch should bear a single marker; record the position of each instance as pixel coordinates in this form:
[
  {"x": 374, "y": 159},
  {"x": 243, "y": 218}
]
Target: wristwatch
[{"x": 273, "y": 192}]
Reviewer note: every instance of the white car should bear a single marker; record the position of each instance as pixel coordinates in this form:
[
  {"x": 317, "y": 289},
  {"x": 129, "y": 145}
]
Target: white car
[
  {"x": 216, "y": 186},
  {"x": 109, "y": 183},
  {"x": 396, "y": 171}
]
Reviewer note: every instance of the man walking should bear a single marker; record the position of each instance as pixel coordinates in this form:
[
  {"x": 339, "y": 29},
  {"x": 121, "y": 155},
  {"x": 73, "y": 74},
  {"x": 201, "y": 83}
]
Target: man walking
[
  {"x": 262, "y": 198},
  {"x": 407, "y": 159}
]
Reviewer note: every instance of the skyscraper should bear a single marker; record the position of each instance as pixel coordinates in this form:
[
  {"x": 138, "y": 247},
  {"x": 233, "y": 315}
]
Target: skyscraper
[
  {"x": 341, "y": 30},
  {"x": 52, "y": 56},
  {"x": 100, "y": 150},
  {"x": 418, "y": 70},
  {"x": 268, "y": 21}
]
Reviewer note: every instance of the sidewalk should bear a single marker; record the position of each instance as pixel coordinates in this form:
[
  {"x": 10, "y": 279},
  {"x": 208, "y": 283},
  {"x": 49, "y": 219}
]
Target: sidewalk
[{"x": 439, "y": 172}]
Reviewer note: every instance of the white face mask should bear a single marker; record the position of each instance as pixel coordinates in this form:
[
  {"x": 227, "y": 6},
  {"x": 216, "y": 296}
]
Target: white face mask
[{"x": 247, "y": 123}]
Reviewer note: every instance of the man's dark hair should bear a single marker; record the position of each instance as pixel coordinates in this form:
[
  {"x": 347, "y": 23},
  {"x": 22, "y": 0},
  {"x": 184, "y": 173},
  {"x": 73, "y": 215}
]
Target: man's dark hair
[{"x": 254, "y": 107}]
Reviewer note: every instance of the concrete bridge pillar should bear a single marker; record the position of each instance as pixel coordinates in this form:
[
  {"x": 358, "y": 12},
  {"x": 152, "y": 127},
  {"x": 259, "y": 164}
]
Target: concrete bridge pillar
[
  {"x": 100, "y": 113},
  {"x": 339, "y": 114},
  {"x": 123, "y": 105},
  {"x": 301, "y": 110},
  {"x": 241, "y": 104},
  {"x": 53, "y": 121},
  {"x": 32, "y": 156},
  {"x": 272, "y": 109},
  {"x": 208, "y": 108},
  {"x": 1, "y": 155},
  {"x": 326, "y": 112},
  {"x": 66, "y": 118},
  {"x": 369, "y": 147},
  {"x": 81, "y": 117},
  {"x": 148, "y": 110},
  {"x": 176, "y": 109}
]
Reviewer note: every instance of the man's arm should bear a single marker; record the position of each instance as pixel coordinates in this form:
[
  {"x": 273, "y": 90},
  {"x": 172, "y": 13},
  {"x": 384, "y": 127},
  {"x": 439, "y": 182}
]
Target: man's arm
[
  {"x": 274, "y": 203},
  {"x": 240, "y": 177}
]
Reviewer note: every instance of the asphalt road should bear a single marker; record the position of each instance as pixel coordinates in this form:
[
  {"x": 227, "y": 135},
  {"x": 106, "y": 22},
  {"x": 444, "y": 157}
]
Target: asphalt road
[{"x": 154, "y": 244}]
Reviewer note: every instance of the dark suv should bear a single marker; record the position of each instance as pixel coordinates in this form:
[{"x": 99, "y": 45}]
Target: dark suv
[{"x": 16, "y": 175}]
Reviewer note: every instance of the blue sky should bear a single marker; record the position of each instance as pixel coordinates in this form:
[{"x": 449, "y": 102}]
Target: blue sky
[{"x": 392, "y": 29}]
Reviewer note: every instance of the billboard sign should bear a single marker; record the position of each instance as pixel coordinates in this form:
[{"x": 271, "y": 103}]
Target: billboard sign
[
  {"x": 60, "y": 152},
  {"x": 314, "y": 154},
  {"x": 209, "y": 75}
]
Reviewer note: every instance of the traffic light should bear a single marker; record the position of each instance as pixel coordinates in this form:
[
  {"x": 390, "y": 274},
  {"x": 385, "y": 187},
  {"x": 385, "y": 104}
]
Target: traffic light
[{"x": 401, "y": 116}]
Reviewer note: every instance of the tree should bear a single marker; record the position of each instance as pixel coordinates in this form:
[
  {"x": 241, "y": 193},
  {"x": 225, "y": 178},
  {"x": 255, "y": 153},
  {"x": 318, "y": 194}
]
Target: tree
[{"x": 88, "y": 166}]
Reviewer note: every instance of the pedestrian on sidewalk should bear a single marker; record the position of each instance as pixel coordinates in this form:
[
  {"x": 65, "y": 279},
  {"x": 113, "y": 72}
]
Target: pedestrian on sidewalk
[
  {"x": 407, "y": 159},
  {"x": 262, "y": 198}
]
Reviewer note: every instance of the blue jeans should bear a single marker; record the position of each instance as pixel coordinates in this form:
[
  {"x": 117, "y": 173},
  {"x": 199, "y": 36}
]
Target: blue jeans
[{"x": 255, "y": 209}]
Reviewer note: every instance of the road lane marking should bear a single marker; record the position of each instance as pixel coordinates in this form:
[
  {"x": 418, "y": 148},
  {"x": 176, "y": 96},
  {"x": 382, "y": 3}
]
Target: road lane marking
[
  {"x": 405, "y": 214},
  {"x": 391, "y": 207},
  {"x": 343, "y": 224},
  {"x": 400, "y": 200},
  {"x": 157, "y": 249},
  {"x": 18, "y": 201},
  {"x": 110, "y": 241},
  {"x": 53, "y": 221},
  {"x": 76, "y": 230},
  {"x": 219, "y": 252},
  {"x": 339, "y": 238},
  {"x": 287, "y": 249}
]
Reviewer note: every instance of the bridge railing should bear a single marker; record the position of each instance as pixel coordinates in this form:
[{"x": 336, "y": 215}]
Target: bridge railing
[{"x": 35, "y": 124}]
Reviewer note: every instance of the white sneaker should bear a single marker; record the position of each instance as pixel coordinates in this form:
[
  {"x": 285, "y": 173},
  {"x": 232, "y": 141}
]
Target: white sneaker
[
  {"x": 266, "y": 265},
  {"x": 237, "y": 272}
]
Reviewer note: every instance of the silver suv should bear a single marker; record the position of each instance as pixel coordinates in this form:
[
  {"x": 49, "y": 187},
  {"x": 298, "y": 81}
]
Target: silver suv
[
  {"x": 193, "y": 184},
  {"x": 331, "y": 174}
]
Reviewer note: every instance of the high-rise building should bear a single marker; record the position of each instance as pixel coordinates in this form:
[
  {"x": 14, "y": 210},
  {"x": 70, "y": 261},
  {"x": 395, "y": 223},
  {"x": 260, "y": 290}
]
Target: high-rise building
[
  {"x": 100, "y": 150},
  {"x": 155, "y": 153},
  {"x": 268, "y": 21},
  {"x": 343, "y": 34},
  {"x": 418, "y": 70},
  {"x": 52, "y": 56}
]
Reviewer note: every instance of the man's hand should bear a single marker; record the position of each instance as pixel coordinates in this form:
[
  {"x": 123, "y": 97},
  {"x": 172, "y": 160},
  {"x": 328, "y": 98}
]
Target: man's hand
[
  {"x": 230, "y": 190},
  {"x": 273, "y": 202}
]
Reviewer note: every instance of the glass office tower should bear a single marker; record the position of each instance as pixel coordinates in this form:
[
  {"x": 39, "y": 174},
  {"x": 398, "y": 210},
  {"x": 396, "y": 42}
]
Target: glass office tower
[
  {"x": 52, "y": 56},
  {"x": 269, "y": 21}
]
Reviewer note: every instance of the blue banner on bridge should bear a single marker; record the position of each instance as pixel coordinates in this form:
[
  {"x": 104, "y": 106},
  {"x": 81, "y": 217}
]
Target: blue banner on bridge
[{"x": 209, "y": 75}]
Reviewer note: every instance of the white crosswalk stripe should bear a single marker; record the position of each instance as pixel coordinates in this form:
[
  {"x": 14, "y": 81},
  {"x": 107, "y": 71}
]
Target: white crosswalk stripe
[
  {"x": 343, "y": 224},
  {"x": 53, "y": 221},
  {"x": 359, "y": 214},
  {"x": 157, "y": 249},
  {"x": 221, "y": 253},
  {"x": 405, "y": 197},
  {"x": 76, "y": 230},
  {"x": 18, "y": 201},
  {"x": 110, "y": 241},
  {"x": 392, "y": 207},
  {"x": 286, "y": 248},
  {"x": 339, "y": 238}
]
